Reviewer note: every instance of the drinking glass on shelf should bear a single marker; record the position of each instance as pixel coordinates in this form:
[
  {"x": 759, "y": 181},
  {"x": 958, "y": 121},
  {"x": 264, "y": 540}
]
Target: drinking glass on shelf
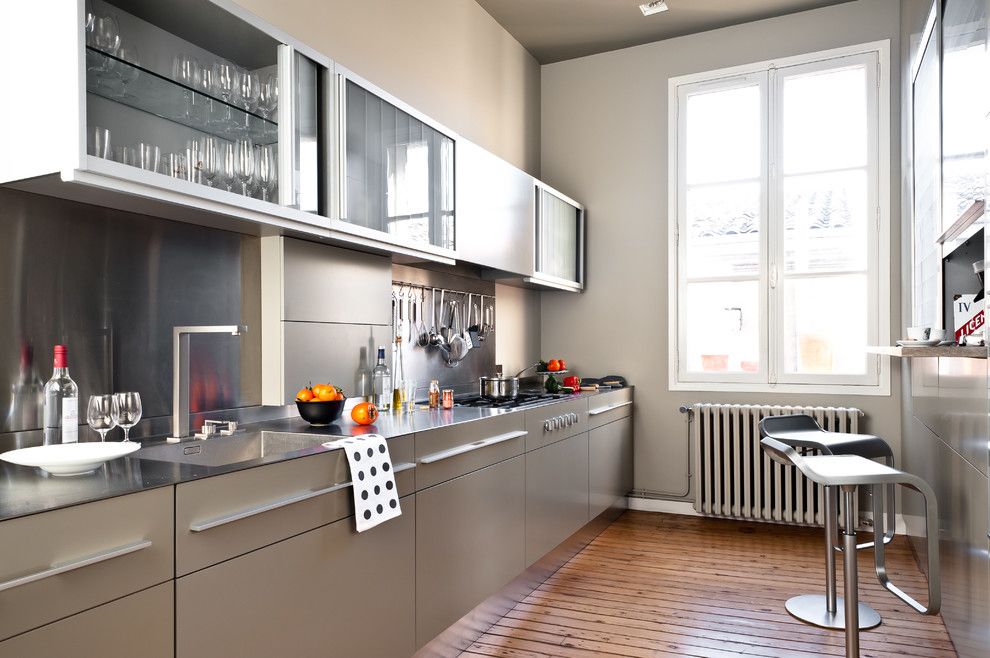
[
  {"x": 267, "y": 171},
  {"x": 244, "y": 163},
  {"x": 99, "y": 414},
  {"x": 248, "y": 92},
  {"x": 125, "y": 155},
  {"x": 212, "y": 166},
  {"x": 268, "y": 97},
  {"x": 127, "y": 411},
  {"x": 98, "y": 142},
  {"x": 184, "y": 72},
  {"x": 225, "y": 80},
  {"x": 194, "y": 161},
  {"x": 128, "y": 74},
  {"x": 227, "y": 175},
  {"x": 106, "y": 34},
  {"x": 174, "y": 165},
  {"x": 148, "y": 156}
]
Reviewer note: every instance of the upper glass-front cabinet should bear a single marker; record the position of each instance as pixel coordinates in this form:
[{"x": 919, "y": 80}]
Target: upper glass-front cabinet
[
  {"x": 396, "y": 170},
  {"x": 559, "y": 240},
  {"x": 192, "y": 102}
]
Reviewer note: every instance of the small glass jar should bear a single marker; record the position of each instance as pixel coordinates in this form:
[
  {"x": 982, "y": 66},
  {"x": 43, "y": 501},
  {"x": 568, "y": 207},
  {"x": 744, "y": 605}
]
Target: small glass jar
[
  {"x": 434, "y": 394},
  {"x": 448, "y": 398}
]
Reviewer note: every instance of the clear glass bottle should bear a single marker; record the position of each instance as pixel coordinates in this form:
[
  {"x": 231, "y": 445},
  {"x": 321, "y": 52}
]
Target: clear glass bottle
[
  {"x": 434, "y": 394},
  {"x": 381, "y": 382},
  {"x": 398, "y": 376},
  {"x": 61, "y": 402},
  {"x": 27, "y": 395}
]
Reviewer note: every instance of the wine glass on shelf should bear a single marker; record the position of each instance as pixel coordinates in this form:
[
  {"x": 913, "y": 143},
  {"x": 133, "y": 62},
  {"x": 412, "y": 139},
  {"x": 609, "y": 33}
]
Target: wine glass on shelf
[
  {"x": 248, "y": 94},
  {"x": 127, "y": 411},
  {"x": 128, "y": 71},
  {"x": 226, "y": 159},
  {"x": 106, "y": 34},
  {"x": 212, "y": 166},
  {"x": 184, "y": 72},
  {"x": 268, "y": 97},
  {"x": 267, "y": 171},
  {"x": 99, "y": 414},
  {"x": 244, "y": 163}
]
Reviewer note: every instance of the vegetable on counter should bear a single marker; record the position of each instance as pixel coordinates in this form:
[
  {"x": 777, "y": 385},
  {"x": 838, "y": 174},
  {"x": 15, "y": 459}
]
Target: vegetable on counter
[
  {"x": 553, "y": 365},
  {"x": 572, "y": 382},
  {"x": 552, "y": 385}
]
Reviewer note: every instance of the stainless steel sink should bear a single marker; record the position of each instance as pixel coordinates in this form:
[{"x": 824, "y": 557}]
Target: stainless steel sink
[{"x": 225, "y": 450}]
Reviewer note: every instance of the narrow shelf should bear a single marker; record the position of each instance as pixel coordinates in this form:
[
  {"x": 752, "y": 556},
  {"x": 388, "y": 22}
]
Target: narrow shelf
[
  {"x": 155, "y": 94},
  {"x": 967, "y": 219},
  {"x": 960, "y": 351}
]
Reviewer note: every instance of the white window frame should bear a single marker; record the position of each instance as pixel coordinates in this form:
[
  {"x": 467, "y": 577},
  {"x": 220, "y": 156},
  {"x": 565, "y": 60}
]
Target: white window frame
[{"x": 770, "y": 378}]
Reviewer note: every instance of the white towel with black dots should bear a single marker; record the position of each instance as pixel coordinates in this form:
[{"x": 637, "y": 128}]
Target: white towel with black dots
[{"x": 376, "y": 498}]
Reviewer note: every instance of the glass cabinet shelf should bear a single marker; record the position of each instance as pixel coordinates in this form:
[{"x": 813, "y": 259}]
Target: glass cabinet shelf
[{"x": 130, "y": 84}]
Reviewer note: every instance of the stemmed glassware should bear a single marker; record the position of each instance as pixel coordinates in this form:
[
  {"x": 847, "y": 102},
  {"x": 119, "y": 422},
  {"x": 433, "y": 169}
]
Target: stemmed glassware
[
  {"x": 126, "y": 411},
  {"x": 248, "y": 94},
  {"x": 268, "y": 97},
  {"x": 227, "y": 165},
  {"x": 184, "y": 71},
  {"x": 267, "y": 167},
  {"x": 244, "y": 163},
  {"x": 212, "y": 166},
  {"x": 99, "y": 414},
  {"x": 127, "y": 74}
]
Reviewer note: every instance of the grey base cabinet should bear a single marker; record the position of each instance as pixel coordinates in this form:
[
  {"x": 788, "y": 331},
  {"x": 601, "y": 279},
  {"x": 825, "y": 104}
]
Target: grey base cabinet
[
  {"x": 135, "y": 625},
  {"x": 326, "y": 592},
  {"x": 611, "y": 467},
  {"x": 469, "y": 543},
  {"x": 556, "y": 494}
]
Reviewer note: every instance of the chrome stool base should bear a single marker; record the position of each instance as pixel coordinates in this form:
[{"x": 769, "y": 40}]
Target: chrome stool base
[{"x": 811, "y": 609}]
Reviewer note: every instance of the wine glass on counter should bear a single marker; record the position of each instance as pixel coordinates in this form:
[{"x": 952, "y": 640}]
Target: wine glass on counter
[
  {"x": 126, "y": 411},
  {"x": 99, "y": 414}
]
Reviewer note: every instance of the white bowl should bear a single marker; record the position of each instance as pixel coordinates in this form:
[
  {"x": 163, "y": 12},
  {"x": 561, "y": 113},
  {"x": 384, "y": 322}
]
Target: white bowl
[{"x": 70, "y": 458}]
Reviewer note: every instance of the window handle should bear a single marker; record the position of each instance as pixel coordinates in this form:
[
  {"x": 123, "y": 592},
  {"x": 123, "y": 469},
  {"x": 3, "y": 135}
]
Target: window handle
[{"x": 773, "y": 275}]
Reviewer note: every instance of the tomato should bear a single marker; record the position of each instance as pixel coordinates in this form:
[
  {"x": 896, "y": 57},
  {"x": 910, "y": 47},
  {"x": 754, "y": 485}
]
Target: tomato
[
  {"x": 563, "y": 364},
  {"x": 554, "y": 365},
  {"x": 364, "y": 413},
  {"x": 304, "y": 395}
]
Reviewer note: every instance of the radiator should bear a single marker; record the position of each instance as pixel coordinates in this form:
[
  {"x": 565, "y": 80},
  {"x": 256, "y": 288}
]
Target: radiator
[{"x": 734, "y": 479}]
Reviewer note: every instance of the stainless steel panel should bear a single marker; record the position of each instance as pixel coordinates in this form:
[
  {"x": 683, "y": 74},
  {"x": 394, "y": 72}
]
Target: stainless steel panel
[
  {"x": 326, "y": 592},
  {"x": 330, "y": 353},
  {"x": 111, "y": 285},
  {"x": 495, "y": 211},
  {"x": 148, "y": 631},
  {"x": 610, "y": 449},
  {"x": 556, "y": 494},
  {"x": 436, "y": 442},
  {"x": 566, "y": 419},
  {"x": 961, "y": 419},
  {"x": 470, "y": 536},
  {"x": 329, "y": 284}
]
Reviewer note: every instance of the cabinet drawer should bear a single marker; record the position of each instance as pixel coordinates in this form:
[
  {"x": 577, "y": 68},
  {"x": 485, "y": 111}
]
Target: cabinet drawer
[
  {"x": 221, "y": 517},
  {"x": 608, "y": 407},
  {"x": 327, "y": 592},
  {"x": 137, "y": 625},
  {"x": 611, "y": 471},
  {"x": 469, "y": 543},
  {"x": 555, "y": 422},
  {"x": 61, "y": 562},
  {"x": 446, "y": 453},
  {"x": 556, "y": 494}
]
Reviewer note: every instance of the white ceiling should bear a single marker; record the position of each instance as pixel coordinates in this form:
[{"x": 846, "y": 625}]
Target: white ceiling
[{"x": 555, "y": 30}]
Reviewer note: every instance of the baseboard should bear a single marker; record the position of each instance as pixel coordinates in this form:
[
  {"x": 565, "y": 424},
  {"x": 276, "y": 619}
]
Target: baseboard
[{"x": 906, "y": 524}]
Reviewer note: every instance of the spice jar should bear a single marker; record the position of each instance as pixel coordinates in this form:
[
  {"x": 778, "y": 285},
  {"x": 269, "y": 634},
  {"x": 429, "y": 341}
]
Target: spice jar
[
  {"x": 448, "y": 398},
  {"x": 434, "y": 394}
]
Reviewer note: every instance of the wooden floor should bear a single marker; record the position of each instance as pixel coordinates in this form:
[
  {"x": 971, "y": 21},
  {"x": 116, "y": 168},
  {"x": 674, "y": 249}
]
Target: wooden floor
[{"x": 666, "y": 585}]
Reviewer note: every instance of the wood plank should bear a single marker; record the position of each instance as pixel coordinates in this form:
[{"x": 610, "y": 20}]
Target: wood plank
[{"x": 658, "y": 585}]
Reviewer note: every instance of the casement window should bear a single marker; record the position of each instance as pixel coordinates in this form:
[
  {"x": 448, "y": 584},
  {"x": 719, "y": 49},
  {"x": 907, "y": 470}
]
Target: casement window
[{"x": 779, "y": 225}]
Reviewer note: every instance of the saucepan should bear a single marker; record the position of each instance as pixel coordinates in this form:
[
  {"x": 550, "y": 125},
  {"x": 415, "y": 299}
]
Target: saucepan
[{"x": 499, "y": 388}]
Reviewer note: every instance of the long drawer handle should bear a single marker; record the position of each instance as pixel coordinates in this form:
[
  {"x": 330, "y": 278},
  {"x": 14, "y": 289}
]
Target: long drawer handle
[
  {"x": 611, "y": 407},
  {"x": 72, "y": 565},
  {"x": 200, "y": 526},
  {"x": 470, "y": 447}
]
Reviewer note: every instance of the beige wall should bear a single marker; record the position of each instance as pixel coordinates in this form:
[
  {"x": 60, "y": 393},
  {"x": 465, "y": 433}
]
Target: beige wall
[
  {"x": 447, "y": 58},
  {"x": 518, "y": 328},
  {"x": 604, "y": 141}
]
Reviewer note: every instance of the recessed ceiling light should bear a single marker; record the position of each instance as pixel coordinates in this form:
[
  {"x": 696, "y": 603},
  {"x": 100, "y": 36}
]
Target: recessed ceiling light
[{"x": 654, "y": 7}]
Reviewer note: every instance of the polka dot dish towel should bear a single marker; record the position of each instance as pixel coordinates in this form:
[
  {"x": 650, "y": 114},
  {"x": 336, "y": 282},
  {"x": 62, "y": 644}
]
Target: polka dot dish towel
[{"x": 376, "y": 498}]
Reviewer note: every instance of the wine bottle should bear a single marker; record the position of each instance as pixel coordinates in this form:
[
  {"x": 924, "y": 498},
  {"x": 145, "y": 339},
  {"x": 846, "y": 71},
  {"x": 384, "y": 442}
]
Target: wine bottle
[
  {"x": 382, "y": 382},
  {"x": 61, "y": 403}
]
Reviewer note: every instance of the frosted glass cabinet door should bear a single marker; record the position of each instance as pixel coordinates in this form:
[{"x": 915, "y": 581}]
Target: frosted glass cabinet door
[
  {"x": 559, "y": 238},
  {"x": 398, "y": 173}
]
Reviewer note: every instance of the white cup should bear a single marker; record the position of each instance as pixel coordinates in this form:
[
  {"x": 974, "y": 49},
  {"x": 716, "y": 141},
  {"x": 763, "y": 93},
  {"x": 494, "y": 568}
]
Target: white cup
[
  {"x": 918, "y": 333},
  {"x": 938, "y": 334}
]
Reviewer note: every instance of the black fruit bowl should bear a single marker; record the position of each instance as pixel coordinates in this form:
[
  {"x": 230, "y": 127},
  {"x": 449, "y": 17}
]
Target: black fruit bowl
[{"x": 320, "y": 413}]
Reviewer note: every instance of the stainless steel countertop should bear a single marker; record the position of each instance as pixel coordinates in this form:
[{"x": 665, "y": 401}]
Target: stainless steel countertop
[{"x": 25, "y": 490}]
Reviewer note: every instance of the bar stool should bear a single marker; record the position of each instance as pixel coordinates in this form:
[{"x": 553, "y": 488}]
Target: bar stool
[
  {"x": 802, "y": 431},
  {"x": 849, "y": 472}
]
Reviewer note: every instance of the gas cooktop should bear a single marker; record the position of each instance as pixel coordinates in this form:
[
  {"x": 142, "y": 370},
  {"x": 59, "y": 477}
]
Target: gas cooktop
[{"x": 522, "y": 400}]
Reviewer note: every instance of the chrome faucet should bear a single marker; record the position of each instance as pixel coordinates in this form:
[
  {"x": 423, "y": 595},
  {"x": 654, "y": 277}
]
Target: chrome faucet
[{"x": 180, "y": 371}]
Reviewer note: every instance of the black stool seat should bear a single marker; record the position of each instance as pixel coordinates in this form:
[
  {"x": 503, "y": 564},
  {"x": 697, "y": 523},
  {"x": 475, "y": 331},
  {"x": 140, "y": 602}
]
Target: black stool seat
[{"x": 801, "y": 431}]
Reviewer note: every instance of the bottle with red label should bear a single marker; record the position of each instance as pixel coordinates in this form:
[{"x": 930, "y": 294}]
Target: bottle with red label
[{"x": 61, "y": 402}]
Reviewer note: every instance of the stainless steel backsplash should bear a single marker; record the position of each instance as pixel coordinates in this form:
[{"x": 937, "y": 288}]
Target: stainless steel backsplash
[{"x": 111, "y": 285}]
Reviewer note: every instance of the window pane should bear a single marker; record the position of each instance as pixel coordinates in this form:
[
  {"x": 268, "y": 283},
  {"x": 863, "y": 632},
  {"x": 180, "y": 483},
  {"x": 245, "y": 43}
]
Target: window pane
[
  {"x": 927, "y": 188},
  {"x": 825, "y": 222},
  {"x": 723, "y": 135},
  {"x": 723, "y": 327},
  {"x": 825, "y": 325},
  {"x": 824, "y": 118},
  {"x": 723, "y": 230}
]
